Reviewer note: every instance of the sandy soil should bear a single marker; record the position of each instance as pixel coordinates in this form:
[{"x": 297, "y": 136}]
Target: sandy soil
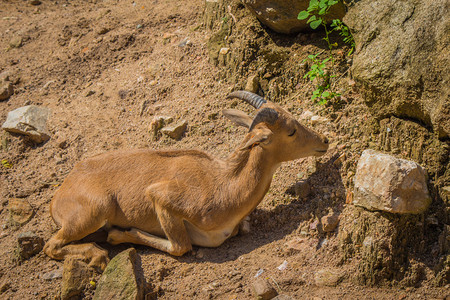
[{"x": 105, "y": 68}]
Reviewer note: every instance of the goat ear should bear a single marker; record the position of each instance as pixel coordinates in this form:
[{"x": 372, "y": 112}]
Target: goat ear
[
  {"x": 259, "y": 136},
  {"x": 238, "y": 117}
]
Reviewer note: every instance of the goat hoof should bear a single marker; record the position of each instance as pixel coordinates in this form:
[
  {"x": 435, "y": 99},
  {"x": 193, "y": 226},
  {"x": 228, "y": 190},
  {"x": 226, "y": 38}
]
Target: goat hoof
[{"x": 114, "y": 236}]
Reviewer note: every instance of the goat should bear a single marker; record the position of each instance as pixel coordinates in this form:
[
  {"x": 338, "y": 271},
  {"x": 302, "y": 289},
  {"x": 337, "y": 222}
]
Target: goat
[{"x": 171, "y": 200}]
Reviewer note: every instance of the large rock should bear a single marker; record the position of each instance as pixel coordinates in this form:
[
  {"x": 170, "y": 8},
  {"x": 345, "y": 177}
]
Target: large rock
[
  {"x": 75, "y": 277},
  {"x": 402, "y": 58},
  {"x": 383, "y": 182},
  {"x": 29, "y": 120},
  {"x": 121, "y": 278},
  {"x": 281, "y": 15}
]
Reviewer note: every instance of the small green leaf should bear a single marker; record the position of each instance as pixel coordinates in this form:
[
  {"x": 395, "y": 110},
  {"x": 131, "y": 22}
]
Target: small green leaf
[
  {"x": 316, "y": 23},
  {"x": 332, "y": 2},
  {"x": 322, "y": 11},
  {"x": 313, "y": 18},
  {"x": 303, "y": 15},
  {"x": 326, "y": 94},
  {"x": 323, "y": 3}
]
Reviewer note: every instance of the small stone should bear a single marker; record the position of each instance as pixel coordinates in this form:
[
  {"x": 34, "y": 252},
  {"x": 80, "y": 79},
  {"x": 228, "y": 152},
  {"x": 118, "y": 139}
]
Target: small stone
[
  {"x": 30, "y": 121},
  {"x": 6, "y": 90},
  {"x": 20, "y": 211},
  {"x": 16, "y": 42},
  {"x": 76, "y": 275},
  {"x": 122, "y": 278},
  {"x": 103, "y": 30},
  {"x": 35, "y": 2},
  {"x": 224, "y": 51},
  {"x": 176, "y": 130},
  {"x": 330, "y": 222},
  {"x": 90, "y": 93},
  {"x": 28, "y": 244},
  {"x": 184, "y": 42},
  {"x": 263, "y": 290},
  {"x": 299, "y": 244},
  {"x": 157, "y": 123},
  {"x": 326, "y": 277},
  {"x": 302, "y": 189},
  {"x": 306, "y": 115},
  {"x": 318, "y": 119},
  {"x": 340, "y": 159},
  {"x": 252, "y": 84},
  {"x": 56, "y": 274}
]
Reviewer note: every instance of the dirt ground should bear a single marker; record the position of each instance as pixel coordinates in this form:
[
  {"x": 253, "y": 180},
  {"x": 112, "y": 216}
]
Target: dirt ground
[{"x": 105, "y": 69}]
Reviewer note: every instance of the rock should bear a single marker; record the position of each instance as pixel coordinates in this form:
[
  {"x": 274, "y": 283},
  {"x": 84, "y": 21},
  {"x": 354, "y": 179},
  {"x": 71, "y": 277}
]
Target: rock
[
  {"x": 35, "y": 2},
  {"x": 28, "y": 244},
  {"x": 176, "y": 130},
  {"x": 281, "y": 15},
  {"x": 55, "y": 274},
  {"x": 121, "y": 278},
  {"x": 157, "y": 123},
  {"x": 318, "y": 119},
  {"x": 252, "y": 84},
  {"x": 383, "y": 182},
  {"x": 263, "y": 290},
  {"x": 329, "y": 222},
  {"x": 306, "y": 115},
  {"x": 326, "y": 277},
  {"x": 20, "y": 211},
  {"x": 6, "y": 90},
  {"x": 302, "y": 188},
  {"x": 30, "y": 121},
  {"x": 16, "y": 42},
  {"x": 76, "y": 275},
  {"x": 401, "y": 59}
]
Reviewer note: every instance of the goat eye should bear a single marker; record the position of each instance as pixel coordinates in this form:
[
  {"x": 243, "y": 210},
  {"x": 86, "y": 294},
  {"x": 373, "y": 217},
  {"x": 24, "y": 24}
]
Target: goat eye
[{"x": 293, "y": 132}]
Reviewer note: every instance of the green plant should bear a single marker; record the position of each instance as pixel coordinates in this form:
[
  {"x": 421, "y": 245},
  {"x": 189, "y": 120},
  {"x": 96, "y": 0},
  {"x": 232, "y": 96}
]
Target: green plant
[
  {"x": 318, "y": 72},
  {"x": 347, "y": 37},
  {"x": 316, "y": 11}
]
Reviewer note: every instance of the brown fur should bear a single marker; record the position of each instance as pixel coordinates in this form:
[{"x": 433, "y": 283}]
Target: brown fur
[{"x": 170, "y": 200}]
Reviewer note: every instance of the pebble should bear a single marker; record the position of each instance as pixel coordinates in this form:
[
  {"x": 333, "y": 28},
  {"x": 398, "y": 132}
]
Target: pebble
[
  {"x": 20, "y": 211},
  {"x": 252, "y": 84},
  {"x": 224, "y": 51},
  {"x": 318, "y": 119},
  {"x": 326, "y": 277},
  {"x": 29, "y": 244},
  {"x": 302, "y": 189},
  {"x": 16, "y": 42},
  {"x": 330, "y": 222}
]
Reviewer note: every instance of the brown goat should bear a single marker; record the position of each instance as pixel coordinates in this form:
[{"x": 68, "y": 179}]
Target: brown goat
[{"x": 171, "y": 200}]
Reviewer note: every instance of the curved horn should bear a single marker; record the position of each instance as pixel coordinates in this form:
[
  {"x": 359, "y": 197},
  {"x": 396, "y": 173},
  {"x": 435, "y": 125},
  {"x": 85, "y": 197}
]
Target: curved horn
[
  {"x": 266, "y": 115},
  {"x": 253, "y": 99}
]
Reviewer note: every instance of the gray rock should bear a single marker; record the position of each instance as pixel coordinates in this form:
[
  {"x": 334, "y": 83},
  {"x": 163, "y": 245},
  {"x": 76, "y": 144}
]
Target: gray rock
[
  {"x": 52, "y": 275},
  {"x": 263, "y": 290},
  {"x": 383, "y": 182},
  {"x": 327, "y": 277},
  {"x": 75, "y": 277},
  {"x": 176, "y": 130},
  {"x": 6, "y": 90},
  {"x": 28, "y": 244},
  {"x": 402, "y": 58},
  {"x": 30, "y": 121},
  {"x": 121, "y": 278},
  {"x": 281, "y": 15},
  {"x": 20, "y": 211}
]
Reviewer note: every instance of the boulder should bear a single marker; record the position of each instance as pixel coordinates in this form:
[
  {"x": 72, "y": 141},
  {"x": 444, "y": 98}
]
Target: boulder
[
  {"x": 29, "y": 120},
  {"x": 386, "y": 183},
  {"x": 281, "y": 15},
  {"x": 401, "y": 59},
  {"x": 122, "y": 278}
]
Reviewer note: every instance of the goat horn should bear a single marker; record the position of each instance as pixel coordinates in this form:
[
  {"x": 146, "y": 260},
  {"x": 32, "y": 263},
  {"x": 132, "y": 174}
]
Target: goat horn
[
  {"x": 253, "y": 99},
  {"x": 266, "y": 115}
]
